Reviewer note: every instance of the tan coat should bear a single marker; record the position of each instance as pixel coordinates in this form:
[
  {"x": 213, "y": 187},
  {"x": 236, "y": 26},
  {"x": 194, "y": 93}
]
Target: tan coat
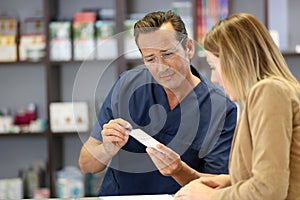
[{"x": 265, "y": 155}]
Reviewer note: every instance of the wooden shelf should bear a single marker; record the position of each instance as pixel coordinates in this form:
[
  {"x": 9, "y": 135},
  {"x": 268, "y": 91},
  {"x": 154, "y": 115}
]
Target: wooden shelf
[
  {"x": 23, "y": 63},
  {"x": 38, "y": 134},
  {"x": 66, "y": 133},
  {"x": 78, "y": 61},
  {"x": 41, "y": 134},
  {"x": 290, "y": 54}
]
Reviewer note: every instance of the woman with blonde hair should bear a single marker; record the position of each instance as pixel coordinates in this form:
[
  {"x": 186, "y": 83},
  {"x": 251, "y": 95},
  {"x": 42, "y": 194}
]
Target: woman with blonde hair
[{"x": 265, "y": 155}]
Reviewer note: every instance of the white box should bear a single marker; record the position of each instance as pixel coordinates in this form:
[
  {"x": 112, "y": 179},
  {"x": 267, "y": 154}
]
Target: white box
[
  {"x": 32, "y": 47},
  {"x": 131, "y": 50},
  {"x": 9, "y": 26},
  {"x": 106, "y": 40},
  {"x": 69, "y": 117},
  {"x": 60, "y": 41},
  {"x": 11, "y": 188},
  {"x": 84, "y": 36},
  {"x": 8, "y": 48}
]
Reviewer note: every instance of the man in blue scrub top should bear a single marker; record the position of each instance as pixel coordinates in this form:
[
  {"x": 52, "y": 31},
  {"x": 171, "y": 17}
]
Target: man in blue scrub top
[{"x": 167, "y": 98}]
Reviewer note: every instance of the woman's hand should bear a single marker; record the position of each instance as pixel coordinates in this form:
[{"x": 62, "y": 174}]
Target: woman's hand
[
  {"x": 166, "y": 160},
  {"x": 195, "y": 190},
  {"x": 203, "y": 187},
  {"x": 217, "y": 182}
]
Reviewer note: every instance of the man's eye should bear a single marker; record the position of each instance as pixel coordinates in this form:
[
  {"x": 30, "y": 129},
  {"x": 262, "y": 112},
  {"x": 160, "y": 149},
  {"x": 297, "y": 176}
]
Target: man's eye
[
  {"x": 151, "y": 59},
  {"x": 167, "y": 54}
]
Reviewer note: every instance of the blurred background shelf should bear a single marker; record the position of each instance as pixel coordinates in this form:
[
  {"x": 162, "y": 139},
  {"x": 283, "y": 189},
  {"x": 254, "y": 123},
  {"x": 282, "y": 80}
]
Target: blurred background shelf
[{"x": 44, "y": 81}]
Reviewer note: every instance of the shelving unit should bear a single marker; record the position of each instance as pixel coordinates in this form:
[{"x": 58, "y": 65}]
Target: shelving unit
[
  {"x": 62, "y": 76},
  {"x": 48, "y": 81}
]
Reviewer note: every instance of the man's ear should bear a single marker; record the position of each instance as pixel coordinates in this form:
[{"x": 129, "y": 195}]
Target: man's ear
[{"x": 190, "y": 48}]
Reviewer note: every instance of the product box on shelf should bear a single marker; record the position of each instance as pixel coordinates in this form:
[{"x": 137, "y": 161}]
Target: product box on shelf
[
  {"x": 70, "y": 183},
  {"x": 8, "y": 39},
  {"x": 60, "y": 41},
  {"x": 185, "y": 10},
  {"x": 8, "y": 48},
  {"x": 6, "y": 122},
  {"x": 11, "y": 188},
  {"x": 8, "y": 26},
  {"x": 32, "y": 47},
  {"x": 32, "y": 40},
  {"x": 69, "y": 117},
  {"x": 106, "y": 40},
  {"x": 84, "y": 35},
  {"x": 34, "y": 25},
  {"x": 131, "y": 50},
  {"x": 208, "y": 14}
]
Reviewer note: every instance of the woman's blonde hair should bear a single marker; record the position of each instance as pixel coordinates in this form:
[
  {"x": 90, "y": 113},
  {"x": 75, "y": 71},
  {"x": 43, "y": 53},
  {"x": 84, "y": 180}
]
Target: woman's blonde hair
[{"x": 247, "y": 53}]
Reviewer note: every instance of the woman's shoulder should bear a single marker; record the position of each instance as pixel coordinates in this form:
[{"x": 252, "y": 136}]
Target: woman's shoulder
[
  {"x": 272, "y": 85},
  {"x": 273, "y": 89}
]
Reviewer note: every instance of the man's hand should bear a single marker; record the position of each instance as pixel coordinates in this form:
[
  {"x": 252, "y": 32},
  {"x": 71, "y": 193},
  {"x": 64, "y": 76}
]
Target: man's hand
[{"x": 115, "y": 135}]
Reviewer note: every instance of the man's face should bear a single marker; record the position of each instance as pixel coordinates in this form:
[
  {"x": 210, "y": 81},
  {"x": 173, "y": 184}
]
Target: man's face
[{"x": 165, "y": 57}]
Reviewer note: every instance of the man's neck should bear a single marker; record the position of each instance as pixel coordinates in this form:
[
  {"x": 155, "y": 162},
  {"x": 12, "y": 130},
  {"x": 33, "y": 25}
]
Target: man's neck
[{"x": 175, "y": 96}]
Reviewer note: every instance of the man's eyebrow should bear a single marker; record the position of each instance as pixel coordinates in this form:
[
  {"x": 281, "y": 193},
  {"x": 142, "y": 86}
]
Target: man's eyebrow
[
  {"x": 152, "y": 54},
  {"x": 165, "y": 50},
  {"x": 148, "y": 56}
]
